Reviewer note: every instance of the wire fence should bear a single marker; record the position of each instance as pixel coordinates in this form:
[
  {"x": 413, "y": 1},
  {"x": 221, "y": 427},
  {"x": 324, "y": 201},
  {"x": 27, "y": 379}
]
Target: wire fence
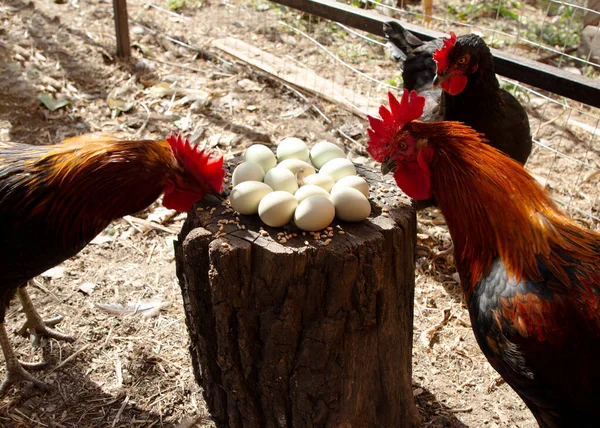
[
  {"x": 550, "y": 26},
  {"x": 358, "y": 72},
  {"x": 354, "y": 69},
  {"x": 566, "y": 133}
]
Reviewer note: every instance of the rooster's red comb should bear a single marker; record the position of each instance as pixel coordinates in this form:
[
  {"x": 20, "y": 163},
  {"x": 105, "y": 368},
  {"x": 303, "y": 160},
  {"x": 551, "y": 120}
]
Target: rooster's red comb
[
  {"x": 441, "y": 55},
  {"x": 382, "y": 131},
  {"x": 206, "y": 170}
]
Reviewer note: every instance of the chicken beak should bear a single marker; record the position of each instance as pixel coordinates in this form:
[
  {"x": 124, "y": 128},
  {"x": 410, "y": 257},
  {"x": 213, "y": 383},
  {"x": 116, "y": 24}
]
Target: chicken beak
[
  {"x": 218, "y": 195},
  {"x": 387, "y": 167},
  {"x": 439, "y": 79}
]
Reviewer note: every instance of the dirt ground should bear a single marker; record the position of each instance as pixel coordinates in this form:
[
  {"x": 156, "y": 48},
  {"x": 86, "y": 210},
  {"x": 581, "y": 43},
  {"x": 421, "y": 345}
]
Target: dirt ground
[{"x": 130, "y": 364}]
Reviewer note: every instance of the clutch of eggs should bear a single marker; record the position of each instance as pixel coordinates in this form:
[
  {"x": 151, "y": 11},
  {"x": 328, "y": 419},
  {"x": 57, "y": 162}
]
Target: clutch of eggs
[{"x": 286, "y": 186}]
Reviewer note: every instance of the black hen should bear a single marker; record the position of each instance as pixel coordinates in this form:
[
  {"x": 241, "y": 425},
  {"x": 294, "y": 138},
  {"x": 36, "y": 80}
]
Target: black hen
[
  {"x": 415, "y": 55},
  {"x": 471, "y": 92}
]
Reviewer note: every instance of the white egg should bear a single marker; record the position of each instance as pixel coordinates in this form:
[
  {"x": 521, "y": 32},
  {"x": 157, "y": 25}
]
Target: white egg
[
  {"x": 338, "y": 168},
  {"x": 323, "y": 152},
  {"x": 281, "y": 179},
  {"x": 309, "y": 190},
  {"x": 299, "y": 168},
  {"x": 292, "y": 148},
  {"x": 314, "y": 213},
  {"x": 350, "y": 204},
  {"x": 261, "y": 155},
  {"x": 321, "y": 180},
  {"x": 247, "y": 171},
  {"x": 246, "y": 196},
  {"x": 353, "y": 181},
  {"x": 277, "y": 208}
]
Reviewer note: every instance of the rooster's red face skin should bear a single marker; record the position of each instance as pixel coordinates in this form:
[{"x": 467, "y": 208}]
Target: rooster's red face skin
[
  {"x": 414, "y": 177},
  {"x": 391, "y": 141}
]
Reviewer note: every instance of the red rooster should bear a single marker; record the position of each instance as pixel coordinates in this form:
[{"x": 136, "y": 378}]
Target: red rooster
[
  {"x": 55, "y": 199},
  {"x": 530, "y": 274}
]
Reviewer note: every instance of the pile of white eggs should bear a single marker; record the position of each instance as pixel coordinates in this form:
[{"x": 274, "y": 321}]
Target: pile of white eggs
[{"x": 287, "y": 187}]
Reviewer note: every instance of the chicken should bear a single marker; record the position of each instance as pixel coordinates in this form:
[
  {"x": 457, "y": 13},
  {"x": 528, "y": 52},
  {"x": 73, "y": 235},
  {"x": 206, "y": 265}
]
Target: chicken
[
  {"x": 55, "y": 199},
  {"x": 530, "y": 275},
  {"x": 471, "y": 92},
  {"x": 415, "y": 55}
]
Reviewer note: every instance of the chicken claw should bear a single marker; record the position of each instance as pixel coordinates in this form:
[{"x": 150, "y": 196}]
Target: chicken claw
[
  {"x": 35, "y": 325},
  {"x": 15, "y": 371}
]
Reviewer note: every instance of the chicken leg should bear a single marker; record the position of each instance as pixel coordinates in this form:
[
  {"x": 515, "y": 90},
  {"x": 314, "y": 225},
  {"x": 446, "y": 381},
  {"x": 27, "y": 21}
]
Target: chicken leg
[
  {"x": 35, "y": 325},
  {"x": 15, "y": 370}
]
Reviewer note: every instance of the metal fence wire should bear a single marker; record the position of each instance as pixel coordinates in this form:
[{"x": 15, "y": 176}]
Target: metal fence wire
[{"x": 359, "y": 70}]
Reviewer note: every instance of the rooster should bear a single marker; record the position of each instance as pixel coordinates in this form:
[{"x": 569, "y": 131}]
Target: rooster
[
  {"x": 464, "y": 68},
  {"x": 530, "y": 275},
  {"x": 55, "y": 199}
]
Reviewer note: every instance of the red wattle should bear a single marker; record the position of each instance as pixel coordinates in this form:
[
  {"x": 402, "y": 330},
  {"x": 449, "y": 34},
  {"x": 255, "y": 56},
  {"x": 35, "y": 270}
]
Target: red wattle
[
  {"x": 414, "y": 181},
  {"x": 455, "y": 85}
]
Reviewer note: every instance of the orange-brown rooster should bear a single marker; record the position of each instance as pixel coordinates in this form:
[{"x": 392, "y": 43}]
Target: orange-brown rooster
[
  {"x": 530, "y": 275},
  {"x": 55, "y": 199}
]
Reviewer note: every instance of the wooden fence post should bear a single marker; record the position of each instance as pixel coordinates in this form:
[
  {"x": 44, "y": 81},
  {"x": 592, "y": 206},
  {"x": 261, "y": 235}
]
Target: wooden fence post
[{"x": 122, "y": 28}]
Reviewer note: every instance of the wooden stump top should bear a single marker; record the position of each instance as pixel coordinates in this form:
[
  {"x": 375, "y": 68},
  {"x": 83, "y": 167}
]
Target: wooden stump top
[{"x": 390, "y": 208}]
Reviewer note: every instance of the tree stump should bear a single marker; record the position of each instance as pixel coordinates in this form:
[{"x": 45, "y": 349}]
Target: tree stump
[{"x": 305, "y": 333}]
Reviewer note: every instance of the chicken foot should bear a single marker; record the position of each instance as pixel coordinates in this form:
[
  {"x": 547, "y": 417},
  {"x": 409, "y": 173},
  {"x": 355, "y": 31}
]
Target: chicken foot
[
  {"x": 35, "y": 325},
  {"x": 15, "y": 370}
]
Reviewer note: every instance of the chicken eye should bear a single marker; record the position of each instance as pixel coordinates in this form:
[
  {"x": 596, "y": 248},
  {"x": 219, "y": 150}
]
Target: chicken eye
[
  {"x": 403, "y": 146},
  {"x": 463, "y": 59}
]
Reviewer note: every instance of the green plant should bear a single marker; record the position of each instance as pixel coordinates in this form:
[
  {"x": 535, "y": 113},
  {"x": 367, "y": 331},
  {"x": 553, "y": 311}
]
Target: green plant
[
  {"x": 395, "y": 81},
  {"x": 559, "y": 28},
  {"x": 353, "y": 53},
  {"x": 364, "y": 4},
  {"x": 175, "y": 4},
  {"x": 469, "y": 11},
  {"x": 591, "y": 72}
]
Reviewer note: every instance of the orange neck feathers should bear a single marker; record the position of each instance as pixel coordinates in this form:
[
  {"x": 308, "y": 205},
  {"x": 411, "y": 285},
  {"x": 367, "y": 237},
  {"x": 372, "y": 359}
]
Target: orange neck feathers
[
  {"x": 494, "y": 208},
  {"x": 82, "y": 184}
]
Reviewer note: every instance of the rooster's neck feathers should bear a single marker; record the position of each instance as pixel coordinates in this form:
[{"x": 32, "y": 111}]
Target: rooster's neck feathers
[
  {"x": 81, "y": 185},
  {"x": 494, "y": 208}
]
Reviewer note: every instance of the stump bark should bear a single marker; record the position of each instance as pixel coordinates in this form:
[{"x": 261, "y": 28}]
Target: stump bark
[{"x": 302, "y": 334}]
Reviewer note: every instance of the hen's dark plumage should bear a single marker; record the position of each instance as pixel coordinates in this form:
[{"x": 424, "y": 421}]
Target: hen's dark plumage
[
  {"x": 482, "y": 104},
  {"x": 414, "y": 55}
]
